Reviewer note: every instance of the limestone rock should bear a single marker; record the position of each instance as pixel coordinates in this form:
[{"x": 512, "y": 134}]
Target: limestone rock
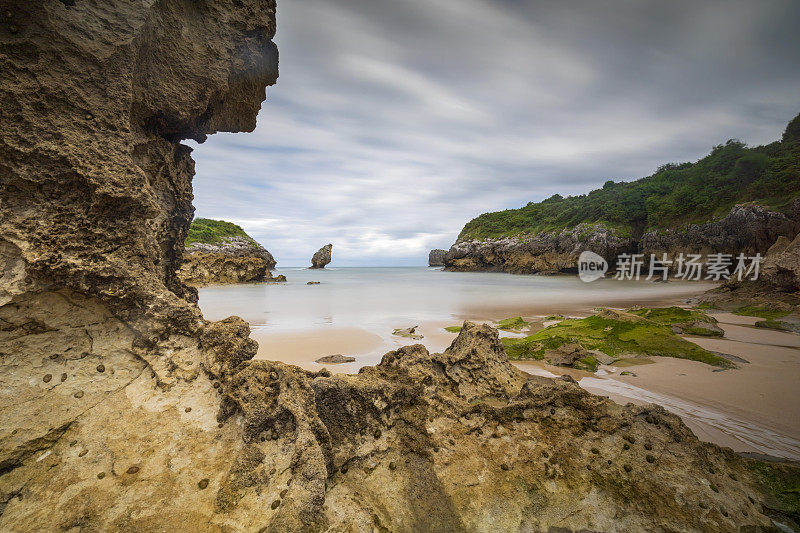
[
  {"x": 235, "y": 260},
  {"x": 747, "y": 229},
  {"x": 781, "y": 266},
  {"x": 410, "y": 333},
  {"x": 436, "y": 257},
  {"x": 322, "y": 257},
  {"x": 566, "y": 354},
  {"x": 544, "y": 252},
  {"x": 335, "y": 359}
]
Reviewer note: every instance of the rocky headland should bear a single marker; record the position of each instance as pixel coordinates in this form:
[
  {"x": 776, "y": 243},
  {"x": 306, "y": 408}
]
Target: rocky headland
[
  {"x": 122, "y": 409},
  {"x": 736, "y": 200},
  {"x": 233, "y": 260},
  {"x": 321, "y": 257},
  {"x": 541, "y": 253},
  {"x": 747, "y": 229}
]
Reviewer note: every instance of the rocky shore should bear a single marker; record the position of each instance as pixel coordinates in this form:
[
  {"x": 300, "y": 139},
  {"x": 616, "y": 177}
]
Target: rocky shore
[
  {"x": 542, "y": 253},
  {"x": 122, "y": 409},
  {"x": 747, "y": 229},
  {"x": 234, "y": 260}
]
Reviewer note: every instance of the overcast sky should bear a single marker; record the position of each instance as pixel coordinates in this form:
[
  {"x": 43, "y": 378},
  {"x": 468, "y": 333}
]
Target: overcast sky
[{"x": 394, "y": 123}]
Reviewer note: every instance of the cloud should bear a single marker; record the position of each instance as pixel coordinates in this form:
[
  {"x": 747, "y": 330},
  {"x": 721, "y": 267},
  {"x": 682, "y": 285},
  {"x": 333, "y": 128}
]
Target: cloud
[{"x": 394, "y": 123}]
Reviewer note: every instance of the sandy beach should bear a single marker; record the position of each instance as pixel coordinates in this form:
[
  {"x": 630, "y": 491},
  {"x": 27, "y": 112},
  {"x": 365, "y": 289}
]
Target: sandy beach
[{"x": 752, "y": 408}]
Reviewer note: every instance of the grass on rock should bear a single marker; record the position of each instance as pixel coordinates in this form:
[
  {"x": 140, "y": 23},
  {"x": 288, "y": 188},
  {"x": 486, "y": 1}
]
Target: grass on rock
[{"x": 208, "y": 231}]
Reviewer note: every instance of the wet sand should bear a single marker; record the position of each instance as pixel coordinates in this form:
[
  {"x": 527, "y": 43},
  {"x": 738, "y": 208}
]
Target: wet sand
[
  {"x": 303, "y": 348},
  {"x": 753, "y": 408}
]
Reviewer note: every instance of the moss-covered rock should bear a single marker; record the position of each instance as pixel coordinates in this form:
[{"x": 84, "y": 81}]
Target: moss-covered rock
[
  {"x": 615, "y": 333},
  {"x": 453, "y": 329},
  {"x": 768, "y": 313},
  {"x": 513, "y": 324},
  {"x": 780, "y": 482},
  {"x": 686, "y": 321},
  {"x": 588, "y": 363},
  {"x": 780, "y": 325}
]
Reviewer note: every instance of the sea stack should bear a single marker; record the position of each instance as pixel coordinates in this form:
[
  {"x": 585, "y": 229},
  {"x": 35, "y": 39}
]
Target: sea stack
[
  {"x": 436, "y": 258},
  {"x": 322, "y": 257}
]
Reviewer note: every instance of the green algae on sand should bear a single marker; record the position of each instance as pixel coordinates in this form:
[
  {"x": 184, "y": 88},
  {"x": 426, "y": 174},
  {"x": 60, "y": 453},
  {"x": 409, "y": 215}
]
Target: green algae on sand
[
  {"x": 617, "y": 334},
  {"x": 689, "y": 321},
  {"x": 767, "y": 313},
  {"x": 515, "y": 324}
]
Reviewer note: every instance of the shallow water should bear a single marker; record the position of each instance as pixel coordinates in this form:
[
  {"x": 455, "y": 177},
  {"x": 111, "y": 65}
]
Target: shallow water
[{"x": 381, "y": 298}]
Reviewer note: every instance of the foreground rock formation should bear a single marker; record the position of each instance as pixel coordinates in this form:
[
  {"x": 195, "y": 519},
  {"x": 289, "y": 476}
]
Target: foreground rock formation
[
  {"x": 436, "y": 257},
  {"x": 459, "y": 441},
  {"x": 236, "y": 260},
  {"x": 747, "y": 229},
  {"x": 121, "y": 409},
  {"x": 322, "y": 257}
]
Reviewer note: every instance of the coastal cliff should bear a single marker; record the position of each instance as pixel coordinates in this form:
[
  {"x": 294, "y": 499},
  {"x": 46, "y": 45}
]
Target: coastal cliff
[
  {"x": 747, "y": 229},
  {"x": 221, "y": 252},
  {"x": 544, "y": 252},
  {"x": 121, "y": 409},
  {"x": 738, "y": 199}
]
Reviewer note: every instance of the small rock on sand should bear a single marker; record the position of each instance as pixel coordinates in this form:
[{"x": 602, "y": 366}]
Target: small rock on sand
[
  {"x": 336, "y": 359},
  {"x": 408, "y": 332}
]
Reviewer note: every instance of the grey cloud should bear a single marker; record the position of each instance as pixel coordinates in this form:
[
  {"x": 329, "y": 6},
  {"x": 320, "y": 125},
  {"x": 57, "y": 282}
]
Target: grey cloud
[{"x": 394, "y": 123}]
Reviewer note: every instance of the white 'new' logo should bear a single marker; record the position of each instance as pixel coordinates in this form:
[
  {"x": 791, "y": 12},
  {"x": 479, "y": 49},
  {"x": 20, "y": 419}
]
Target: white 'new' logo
[{"x": 591, "y": 266}]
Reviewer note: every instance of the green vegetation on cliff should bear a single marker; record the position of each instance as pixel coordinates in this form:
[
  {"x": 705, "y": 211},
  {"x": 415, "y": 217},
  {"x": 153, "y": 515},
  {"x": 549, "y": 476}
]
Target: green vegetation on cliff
[
  {"x": 675, "y": 195},
  {"x": 210, "y": 231}
]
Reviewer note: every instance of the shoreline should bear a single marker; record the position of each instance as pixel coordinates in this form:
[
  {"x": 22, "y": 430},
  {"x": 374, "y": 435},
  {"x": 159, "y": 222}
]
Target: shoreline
[{"x": 749, "y": 409}]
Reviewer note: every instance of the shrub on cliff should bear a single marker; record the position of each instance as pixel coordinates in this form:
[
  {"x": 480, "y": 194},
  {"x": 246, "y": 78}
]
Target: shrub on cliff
[{"x": 210, "y": 231}]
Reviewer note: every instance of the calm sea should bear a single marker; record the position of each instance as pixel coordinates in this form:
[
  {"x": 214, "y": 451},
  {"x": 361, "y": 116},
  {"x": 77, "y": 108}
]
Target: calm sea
[{"x": 381, "y": 298}]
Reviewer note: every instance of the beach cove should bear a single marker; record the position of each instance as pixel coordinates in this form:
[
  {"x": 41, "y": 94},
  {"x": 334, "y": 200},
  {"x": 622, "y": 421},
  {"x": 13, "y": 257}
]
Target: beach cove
[{"x": 353, "y": 312}]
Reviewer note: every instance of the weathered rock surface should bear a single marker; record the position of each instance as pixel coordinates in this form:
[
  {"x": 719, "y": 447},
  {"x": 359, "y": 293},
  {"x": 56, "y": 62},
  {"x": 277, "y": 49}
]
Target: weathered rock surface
[
  {"x": 781, "y": 266},
  {"x": 335, "y": 359},
  {"x": 545, "y": 252},
  {"x": 777, "y": 288},
  {"x": 436, "y": 258},
  {"x": 236, "y": 260},
  {"x": 747, "y": 229},
  {"x": 122, "y": 410},
  {"x": 322, "y": 257}
]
